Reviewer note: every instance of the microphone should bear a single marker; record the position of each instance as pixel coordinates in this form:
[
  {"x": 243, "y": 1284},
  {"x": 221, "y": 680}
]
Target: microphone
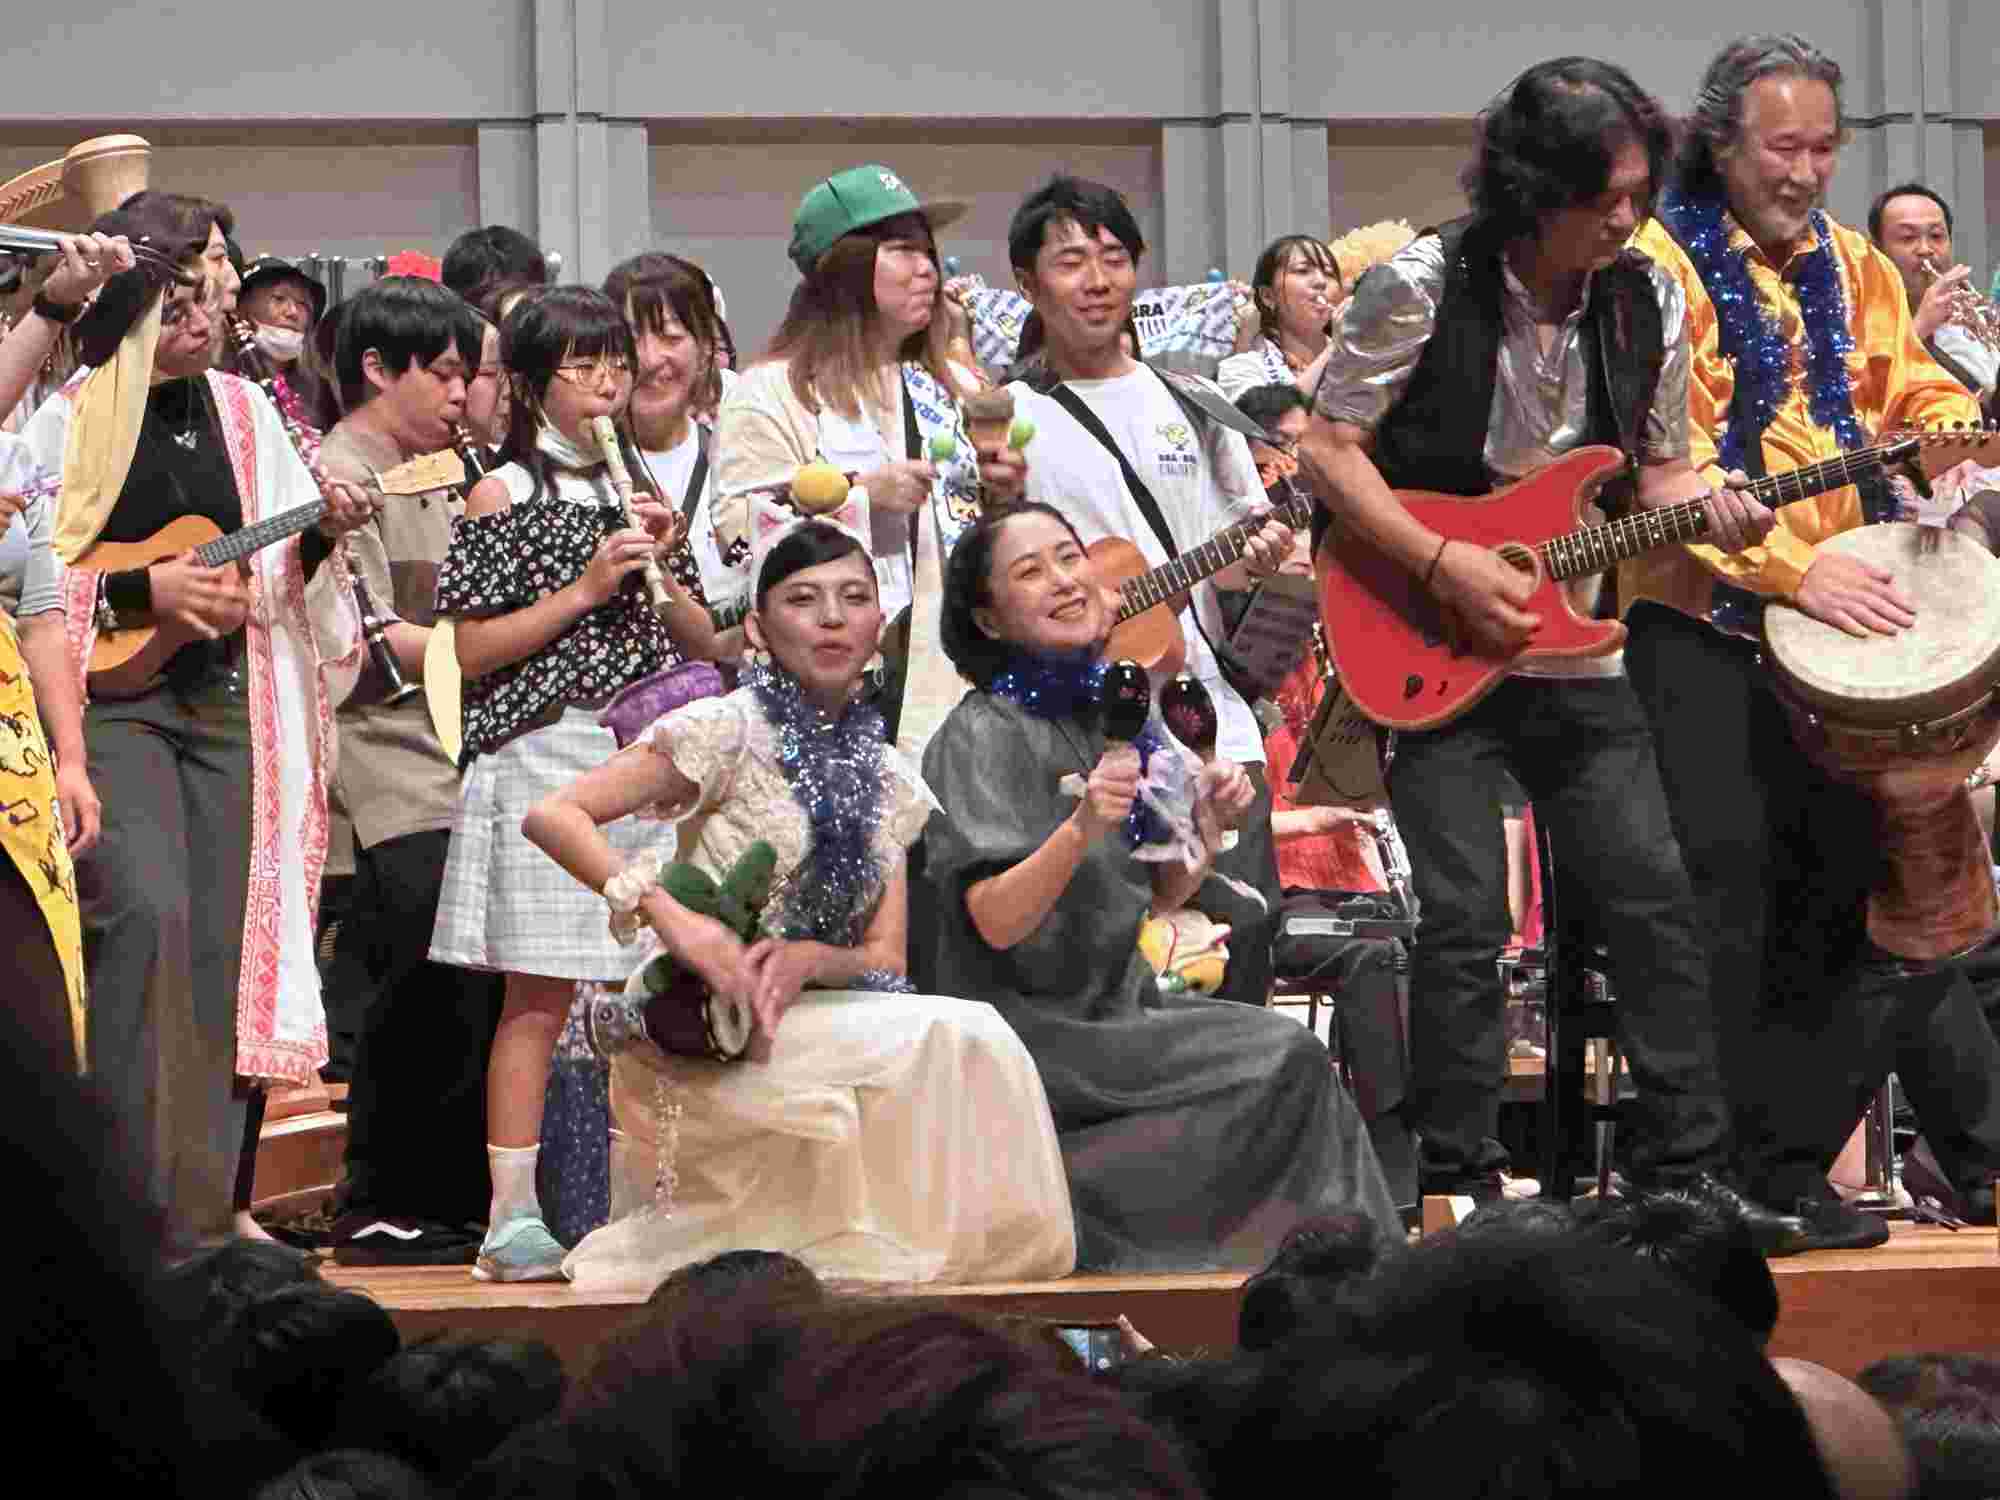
[{"x": 1125, "y": 701}]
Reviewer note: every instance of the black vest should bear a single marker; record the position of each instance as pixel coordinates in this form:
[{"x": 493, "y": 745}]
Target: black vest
[{"x": 1435, "y": 437}]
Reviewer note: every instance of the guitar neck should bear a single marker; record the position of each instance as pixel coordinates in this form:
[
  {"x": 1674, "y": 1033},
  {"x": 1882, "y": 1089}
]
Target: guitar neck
[
  {"x": 240, "y": 544},
  {"x": 1594, "y": 549},
  {"x": 1182, "y": 573}
]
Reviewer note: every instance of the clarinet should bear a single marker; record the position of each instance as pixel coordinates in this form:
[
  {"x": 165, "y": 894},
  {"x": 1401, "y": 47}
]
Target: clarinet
[
  {"x": 374, "y": 628},
  {"x": 468, "y": 452}
]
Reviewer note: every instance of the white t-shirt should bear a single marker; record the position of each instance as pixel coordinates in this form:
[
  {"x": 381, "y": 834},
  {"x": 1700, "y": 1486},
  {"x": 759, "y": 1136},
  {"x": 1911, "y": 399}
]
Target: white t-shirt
[
  {"x": 1069, "y": 469},
  {"x": 672, "y": 470}
]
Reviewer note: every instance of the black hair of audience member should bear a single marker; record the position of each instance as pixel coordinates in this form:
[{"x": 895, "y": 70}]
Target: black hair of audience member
[
  {"x": 1923, "y": 1382},
  {"x": 863, "y": 1396},
  {"x": 480, "y": 257},
  {"x": 1189, "y": 1402},
  {"x": 405, "y": 320},
  {"x": 1547, "y": 142},
  {"x": 444, "y": 1404},
  {"x": 1516, "y": 1216},
  {"x": 201, "y": 1298},
  {"x": 540, "y": 333},
  {"x": 738, "y": 1270},
  {"x": 978, "y": 657},
  {"x": 1267, "y": 405},
  {"x": 1702, "y": 1244},
  {"x": 1312, "y": 1263},
  {"x": 804, "y": 547},
  {"x": 1518, "y": 1365},
  {"x": 349, "y": 1474},
  {"x": 295, "y": 1354},
  {"x": 1956, "y": 1453},
  {"x": 1090, "y": 206}
]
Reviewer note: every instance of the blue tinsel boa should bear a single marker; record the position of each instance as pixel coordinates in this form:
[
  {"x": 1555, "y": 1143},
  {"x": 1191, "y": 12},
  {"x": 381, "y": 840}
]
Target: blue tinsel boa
[
  {"x": 1070, "y": 686},
  {"x": 835, "y": 767},
  {"x": 1750, "y": 337}
]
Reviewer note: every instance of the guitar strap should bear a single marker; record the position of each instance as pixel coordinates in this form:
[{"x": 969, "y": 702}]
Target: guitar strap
[
  {"x": 697, "y": 478},
  {"x": 1087, "y": 419}
]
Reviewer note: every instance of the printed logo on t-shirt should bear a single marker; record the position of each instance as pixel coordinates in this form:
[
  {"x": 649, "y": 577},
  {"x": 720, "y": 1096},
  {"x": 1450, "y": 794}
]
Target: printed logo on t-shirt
[{"x": 1176, "y": 454}]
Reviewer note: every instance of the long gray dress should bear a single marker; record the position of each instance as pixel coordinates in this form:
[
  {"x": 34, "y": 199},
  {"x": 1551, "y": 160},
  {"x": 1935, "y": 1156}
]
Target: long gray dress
[{"x": 1196, "y": 1132}]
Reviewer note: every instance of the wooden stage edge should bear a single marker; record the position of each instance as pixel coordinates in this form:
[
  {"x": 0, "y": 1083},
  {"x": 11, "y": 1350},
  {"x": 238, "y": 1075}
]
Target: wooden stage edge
[{"x": 1927, "y": 1290}]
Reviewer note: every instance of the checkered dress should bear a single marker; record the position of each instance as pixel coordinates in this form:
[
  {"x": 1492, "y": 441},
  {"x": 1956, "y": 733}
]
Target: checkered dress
[{"x": 505, "y": 904}]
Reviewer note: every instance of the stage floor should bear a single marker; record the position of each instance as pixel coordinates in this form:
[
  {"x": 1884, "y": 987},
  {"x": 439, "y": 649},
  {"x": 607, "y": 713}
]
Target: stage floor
[{"x": 1928, "y": 1289}]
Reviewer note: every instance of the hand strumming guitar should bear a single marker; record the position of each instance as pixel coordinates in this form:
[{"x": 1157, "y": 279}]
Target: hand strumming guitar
[
  {"x": 196, "y": 602},
  {"x": 1485, "y": 595}
]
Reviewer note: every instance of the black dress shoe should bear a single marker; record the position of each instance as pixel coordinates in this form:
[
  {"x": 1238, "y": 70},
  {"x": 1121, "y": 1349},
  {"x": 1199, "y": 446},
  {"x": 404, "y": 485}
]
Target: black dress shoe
[{"x": 1772, "y": 1232}]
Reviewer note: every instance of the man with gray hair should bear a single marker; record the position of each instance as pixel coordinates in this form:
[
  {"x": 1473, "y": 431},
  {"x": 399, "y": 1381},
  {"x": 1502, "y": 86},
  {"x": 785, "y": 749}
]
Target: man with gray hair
[{"x": 1781, "y": 854}]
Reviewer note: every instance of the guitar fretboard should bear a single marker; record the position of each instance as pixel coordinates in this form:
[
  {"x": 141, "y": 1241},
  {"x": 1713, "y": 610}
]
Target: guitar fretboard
[
  {"x": 1593, "y": 549},
  {"x": 1182, "y": 573},
  {"x": 240, "y": 544}
]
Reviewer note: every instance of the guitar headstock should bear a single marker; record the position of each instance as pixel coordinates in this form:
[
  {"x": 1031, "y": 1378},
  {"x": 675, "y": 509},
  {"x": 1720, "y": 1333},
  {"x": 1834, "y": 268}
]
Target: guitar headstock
[{"x": 1941, "y": 448}]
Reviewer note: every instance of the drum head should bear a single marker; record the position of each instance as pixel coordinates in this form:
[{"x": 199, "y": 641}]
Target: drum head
[
  {"x": 1938, "y": 666},
  {"x": 729, "y": 1026}
]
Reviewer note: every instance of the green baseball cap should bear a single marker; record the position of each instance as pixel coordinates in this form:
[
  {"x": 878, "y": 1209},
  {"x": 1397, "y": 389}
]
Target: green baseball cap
[{"x": 852, "y": 200}]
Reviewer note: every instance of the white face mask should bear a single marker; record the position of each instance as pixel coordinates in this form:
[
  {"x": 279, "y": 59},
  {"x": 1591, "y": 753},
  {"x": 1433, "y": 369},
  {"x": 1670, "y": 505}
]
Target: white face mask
[{"x": 282, "y": 344}]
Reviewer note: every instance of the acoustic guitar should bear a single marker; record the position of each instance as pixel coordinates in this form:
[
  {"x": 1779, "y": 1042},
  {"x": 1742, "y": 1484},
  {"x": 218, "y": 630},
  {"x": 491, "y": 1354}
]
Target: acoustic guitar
[
  {"x": 124, "y": 662},
  {"x": 1148, "y": 628},
  {"x": 1404, "y": 663}
]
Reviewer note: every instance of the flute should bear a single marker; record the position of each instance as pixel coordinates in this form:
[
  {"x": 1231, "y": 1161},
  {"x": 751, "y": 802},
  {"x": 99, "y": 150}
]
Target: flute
[{"x": 606, "y": 434}]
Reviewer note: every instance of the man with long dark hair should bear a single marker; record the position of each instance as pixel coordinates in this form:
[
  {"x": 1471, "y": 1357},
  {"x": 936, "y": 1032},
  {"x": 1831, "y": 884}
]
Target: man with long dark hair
[
  {"x": 1472, "y": 357},
  {"x": 1777, "y": 293}
]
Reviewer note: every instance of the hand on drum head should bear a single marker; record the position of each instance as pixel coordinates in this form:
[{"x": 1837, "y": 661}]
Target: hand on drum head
[
  {"x": 1735, "y": 520},
  {"x": 1854, "y": 596}
]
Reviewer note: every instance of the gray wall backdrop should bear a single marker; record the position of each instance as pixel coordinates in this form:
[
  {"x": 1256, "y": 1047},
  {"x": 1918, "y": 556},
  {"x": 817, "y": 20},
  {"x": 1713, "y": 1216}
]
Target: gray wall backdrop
[{"x": 606, "y": 126}]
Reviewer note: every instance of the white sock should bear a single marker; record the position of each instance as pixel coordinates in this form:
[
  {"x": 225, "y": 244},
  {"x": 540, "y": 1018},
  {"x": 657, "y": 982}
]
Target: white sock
[{"x": 513, "y": 1169}]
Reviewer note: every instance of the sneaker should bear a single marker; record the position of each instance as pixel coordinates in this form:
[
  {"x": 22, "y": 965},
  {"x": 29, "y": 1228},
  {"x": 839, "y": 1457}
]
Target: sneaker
[
  {"x": 520, "y": 1250},
  {"x": 363, "y": 1238}
]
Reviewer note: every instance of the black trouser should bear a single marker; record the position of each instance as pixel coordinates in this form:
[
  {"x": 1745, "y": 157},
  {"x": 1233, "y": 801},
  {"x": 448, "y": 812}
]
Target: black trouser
[
  {"x": 1579, "y": 748},
  {"x": 416, "y": 1111},
  {"x": 1781, "y": 856},
  {"x": 1951, "y": 1075},
  {"x": 1252, "y": 929},
  {"x": 163, "y": 896}
]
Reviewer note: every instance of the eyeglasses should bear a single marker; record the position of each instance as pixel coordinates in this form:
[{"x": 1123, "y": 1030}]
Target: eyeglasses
[
  {"x": 485, "y": 372},
  {"x": 594, "y": 374}
]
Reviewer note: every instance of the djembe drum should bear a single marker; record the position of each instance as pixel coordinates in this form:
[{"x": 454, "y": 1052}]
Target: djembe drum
[{"x": 1906, "y": 718}]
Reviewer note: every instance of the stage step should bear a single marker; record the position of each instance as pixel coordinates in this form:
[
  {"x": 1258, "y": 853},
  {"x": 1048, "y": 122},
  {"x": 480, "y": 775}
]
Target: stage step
[
  {"x": 1926, "y": 1290},
  {"x": 298, "y": 1162}
]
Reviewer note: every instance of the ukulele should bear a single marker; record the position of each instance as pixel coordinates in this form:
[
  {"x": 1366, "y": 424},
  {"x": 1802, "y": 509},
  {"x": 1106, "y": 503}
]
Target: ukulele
[
  {"x": 124, "y": 662},
  {"x": 1148, "y": 628},
  {"x": 1401, "y": 659}
]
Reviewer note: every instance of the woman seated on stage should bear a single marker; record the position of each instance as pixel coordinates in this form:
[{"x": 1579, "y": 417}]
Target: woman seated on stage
[
  {"x": 1196, "y": 1132},
  {"x": 888, "y": 1136},
  {"x": 1283, "y": 341}
]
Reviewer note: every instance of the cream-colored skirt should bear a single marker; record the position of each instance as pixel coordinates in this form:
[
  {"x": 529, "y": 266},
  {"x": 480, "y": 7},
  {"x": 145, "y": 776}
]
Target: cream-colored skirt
[{"x": 891, "y": 1138}]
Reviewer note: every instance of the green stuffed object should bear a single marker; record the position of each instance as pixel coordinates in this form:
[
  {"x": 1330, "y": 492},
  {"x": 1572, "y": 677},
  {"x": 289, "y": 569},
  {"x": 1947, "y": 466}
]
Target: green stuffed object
[
  {"x": 679, "y": 1014},
  {"x": 738, "y": 902}
]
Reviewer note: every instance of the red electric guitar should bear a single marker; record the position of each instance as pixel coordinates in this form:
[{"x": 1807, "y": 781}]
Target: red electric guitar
[{"x": 1403, "y": 662}]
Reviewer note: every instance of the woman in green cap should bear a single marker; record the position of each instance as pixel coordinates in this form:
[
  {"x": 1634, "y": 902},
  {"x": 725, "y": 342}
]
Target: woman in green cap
[{"x": 858, "y": 376}]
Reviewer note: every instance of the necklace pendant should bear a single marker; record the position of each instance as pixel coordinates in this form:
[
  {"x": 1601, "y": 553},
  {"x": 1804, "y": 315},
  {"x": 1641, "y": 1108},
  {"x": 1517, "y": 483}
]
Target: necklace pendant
[{"x": 186, "y": 439}]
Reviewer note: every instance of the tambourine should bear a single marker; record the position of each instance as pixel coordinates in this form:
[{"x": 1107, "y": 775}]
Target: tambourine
[{"x": 684, "y": 1018}]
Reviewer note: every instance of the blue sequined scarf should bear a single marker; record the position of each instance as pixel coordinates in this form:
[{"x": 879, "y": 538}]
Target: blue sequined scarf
[
  {"x": 1069, "y": 686},
  {"x": 837, "y": 774},
  {"x": 1750, "y": 337}
]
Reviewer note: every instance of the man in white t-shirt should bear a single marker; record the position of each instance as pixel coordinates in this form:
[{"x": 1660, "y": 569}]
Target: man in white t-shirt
[{"x": 1075, "y": 249}]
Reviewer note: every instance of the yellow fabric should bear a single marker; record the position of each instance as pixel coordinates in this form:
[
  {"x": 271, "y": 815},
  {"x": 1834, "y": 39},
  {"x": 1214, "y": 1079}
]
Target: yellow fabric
[
  {"x": 1895, "y": 382},
  {"x": 103, "y": 435},
  {"x": 31, "y": 835}
]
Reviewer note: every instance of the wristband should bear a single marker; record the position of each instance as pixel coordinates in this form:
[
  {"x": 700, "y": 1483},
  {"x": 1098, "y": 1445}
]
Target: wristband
[
  {"x": 1431, "y": 571},
  {"x": 60, "y": 313},
  {"x": 129, "y": 592},
  {"x": 625, "y": 890}
]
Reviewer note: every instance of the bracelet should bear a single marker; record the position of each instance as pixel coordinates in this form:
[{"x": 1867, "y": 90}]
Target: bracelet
[
  {"x": 59, "y": 313},
  {"x": 1431, "y": 571},
  {"x": 625, "y": 890}
]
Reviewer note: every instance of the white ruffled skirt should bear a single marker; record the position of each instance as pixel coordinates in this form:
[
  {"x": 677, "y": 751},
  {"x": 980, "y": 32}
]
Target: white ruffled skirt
[{"x": 891, "y": 1138}]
